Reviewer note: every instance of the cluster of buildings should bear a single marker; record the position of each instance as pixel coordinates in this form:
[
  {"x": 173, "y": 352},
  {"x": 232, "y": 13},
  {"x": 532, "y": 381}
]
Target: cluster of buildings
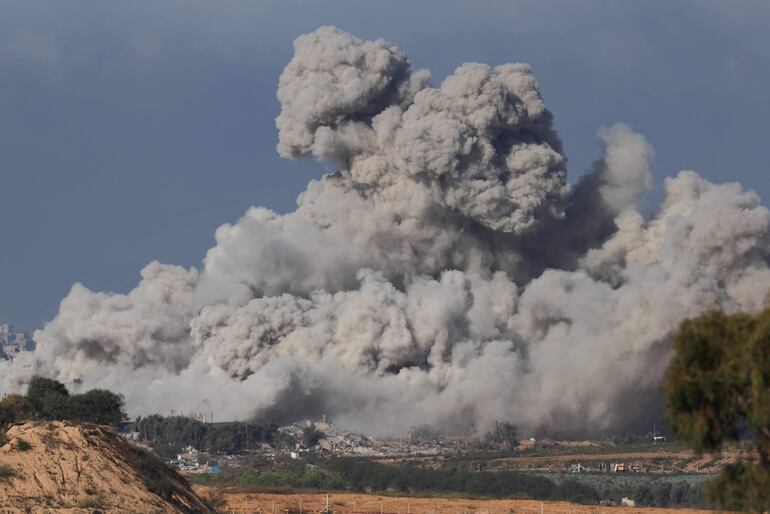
[
  {"x": 190, "y": 460},
  {"x": 608, "y": 467},
  {"x": 330, "y": 442},
  {"x": 13, "y": 342},
  {"x": 341, "y": 443}
]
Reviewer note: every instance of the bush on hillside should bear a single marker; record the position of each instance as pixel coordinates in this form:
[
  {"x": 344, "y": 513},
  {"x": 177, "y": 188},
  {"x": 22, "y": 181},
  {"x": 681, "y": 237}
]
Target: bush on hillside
[
  {"x": 49, "y": 400},
  {"x": 14, "y": 407},
  {"x": 23, "y": 445}
]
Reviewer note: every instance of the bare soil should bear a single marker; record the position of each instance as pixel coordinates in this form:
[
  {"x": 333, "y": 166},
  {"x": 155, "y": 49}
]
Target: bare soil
[
  {"x": 348, "y": 503},
  {"x": 65, "y": 467}
]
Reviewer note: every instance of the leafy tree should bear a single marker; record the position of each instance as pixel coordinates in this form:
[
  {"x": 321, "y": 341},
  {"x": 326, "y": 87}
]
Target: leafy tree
[
  {"x": 168, "y": 435},
  {"x": 7, "y": 415},
  {"x": 16, "y": 407},
  {"x": 643, "y": 495},
  {"x": 719, "y": 391},
  {"x": 97, "y": 406},
  {"x": 47, "y": 397}
]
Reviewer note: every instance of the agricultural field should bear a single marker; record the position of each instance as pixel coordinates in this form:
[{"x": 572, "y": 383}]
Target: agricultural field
[{"x": 348, "y": 503}]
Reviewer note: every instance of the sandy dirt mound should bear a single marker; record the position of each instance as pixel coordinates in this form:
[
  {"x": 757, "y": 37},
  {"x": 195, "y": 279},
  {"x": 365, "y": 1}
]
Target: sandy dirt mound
[{"x": 86, "y": 468}]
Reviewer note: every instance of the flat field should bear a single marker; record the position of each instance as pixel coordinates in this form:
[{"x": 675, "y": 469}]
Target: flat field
[{"x": 350, "y": 503}]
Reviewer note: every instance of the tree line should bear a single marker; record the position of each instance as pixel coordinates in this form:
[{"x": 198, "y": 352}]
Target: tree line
[
  {"x": 49, "y": 400},
  {"x": 169, "y": 435}
]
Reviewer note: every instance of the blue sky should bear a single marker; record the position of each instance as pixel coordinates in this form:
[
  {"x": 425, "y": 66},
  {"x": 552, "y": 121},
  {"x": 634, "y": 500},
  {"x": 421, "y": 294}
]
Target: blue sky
[{"x": 130, "y": 130}]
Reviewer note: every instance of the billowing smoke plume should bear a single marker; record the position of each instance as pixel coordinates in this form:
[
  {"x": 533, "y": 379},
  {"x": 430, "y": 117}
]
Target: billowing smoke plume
[{"x": 446, "y": 273}]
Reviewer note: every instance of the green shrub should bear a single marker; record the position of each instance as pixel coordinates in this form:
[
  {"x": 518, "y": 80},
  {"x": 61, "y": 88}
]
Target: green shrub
[
  {"x": 154, "y": 473},
  {"x": 7, "y": 415},
  {"x": 14, "y": 407},
  {"x": 573, "y": 491},
  {"x": 97, "y": 406},
  {"x": 3, "y": 439},
  {"x": 48, "y": 399}
]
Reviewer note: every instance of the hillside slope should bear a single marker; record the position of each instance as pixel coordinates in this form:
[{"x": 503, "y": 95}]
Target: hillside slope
[{"x": 83, "y": 468}]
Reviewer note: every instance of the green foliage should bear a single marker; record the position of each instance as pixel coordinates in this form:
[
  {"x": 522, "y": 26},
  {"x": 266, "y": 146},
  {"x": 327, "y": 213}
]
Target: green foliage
[
  {"x": 719, "y": 391},
  {"x": 295, "y": 478},
  {"x": 48, "y": 399},
  {"x": 97, "y": 406},
  {"x": 647, "y": 490},
  {"x": 3, "y": 439},
  {"x": 168, "y": 435},
  {"x": 23, "y": 445},
  {"x": 155, "y": 474},
  {"x": 14, "y": 407},
  {"x": 6, "y": 473},
  {"x": 7, "y": 415},
  {"x": 574, "y": 491},
  {"x": 741, "y": 486},
  {"x": 363, "y": 475}
]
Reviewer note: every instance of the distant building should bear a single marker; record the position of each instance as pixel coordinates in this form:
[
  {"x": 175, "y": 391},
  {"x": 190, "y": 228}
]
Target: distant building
[
  {"x": 13, "y": 342},
  {"x": 627, "y": 502}
]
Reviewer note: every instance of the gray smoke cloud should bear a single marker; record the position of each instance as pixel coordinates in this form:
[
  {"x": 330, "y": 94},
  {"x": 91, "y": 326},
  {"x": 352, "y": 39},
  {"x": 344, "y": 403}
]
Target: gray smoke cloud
[{"x": 446, "y": 273}]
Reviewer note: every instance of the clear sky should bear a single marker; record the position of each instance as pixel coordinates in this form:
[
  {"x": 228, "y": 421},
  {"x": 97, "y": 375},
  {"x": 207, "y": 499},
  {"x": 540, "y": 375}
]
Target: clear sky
[{"x": 130, "y": 130}]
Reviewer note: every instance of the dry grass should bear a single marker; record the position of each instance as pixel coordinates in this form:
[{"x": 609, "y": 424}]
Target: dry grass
[{"x": 345, "y": 503}]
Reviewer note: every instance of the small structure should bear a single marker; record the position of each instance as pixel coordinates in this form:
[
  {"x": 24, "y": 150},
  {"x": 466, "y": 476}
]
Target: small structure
[{"x": 627, "y": 502}]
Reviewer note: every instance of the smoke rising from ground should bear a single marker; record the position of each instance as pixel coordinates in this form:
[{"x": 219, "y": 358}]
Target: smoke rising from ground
[{"x": 446, "y": 273}]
